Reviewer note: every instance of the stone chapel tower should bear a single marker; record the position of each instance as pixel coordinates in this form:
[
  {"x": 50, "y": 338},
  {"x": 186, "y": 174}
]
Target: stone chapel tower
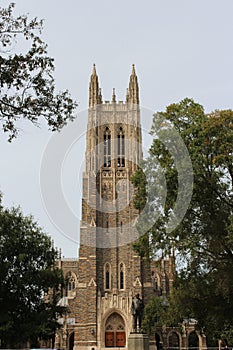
[{"x": 108, "y": 272}]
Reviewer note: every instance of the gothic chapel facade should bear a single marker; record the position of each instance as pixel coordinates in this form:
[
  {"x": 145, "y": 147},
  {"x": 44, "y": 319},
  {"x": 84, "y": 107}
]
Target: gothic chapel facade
[{"x": 108, "y": 272}]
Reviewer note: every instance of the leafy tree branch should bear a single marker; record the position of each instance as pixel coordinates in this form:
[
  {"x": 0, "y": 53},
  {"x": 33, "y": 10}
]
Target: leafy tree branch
[{"x": 26, "y": 79}]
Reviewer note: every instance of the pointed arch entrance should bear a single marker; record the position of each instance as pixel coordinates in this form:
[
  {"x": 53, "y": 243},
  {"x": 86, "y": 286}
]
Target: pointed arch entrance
[
  {"x": 71, "y": 341},
  {"x": 115, "y": 331}
]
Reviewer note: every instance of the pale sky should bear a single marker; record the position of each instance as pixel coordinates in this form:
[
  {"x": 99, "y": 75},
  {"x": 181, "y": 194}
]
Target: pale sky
[{"x": 181, "y": 48}]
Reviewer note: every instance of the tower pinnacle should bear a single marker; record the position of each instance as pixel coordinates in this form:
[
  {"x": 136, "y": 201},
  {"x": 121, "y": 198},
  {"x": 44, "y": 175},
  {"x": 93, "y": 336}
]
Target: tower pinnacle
[
  {"x": 133, "y": 90},
  {"x": 94, "y": 70},
  {"x": 133, "y": 70},
  {"x": 113, "y": 95},
  {"x": 94, "y": 91}
]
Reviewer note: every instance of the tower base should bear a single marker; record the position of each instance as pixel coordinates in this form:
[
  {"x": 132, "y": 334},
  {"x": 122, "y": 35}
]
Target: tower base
[{"x": 137, "y": 341}]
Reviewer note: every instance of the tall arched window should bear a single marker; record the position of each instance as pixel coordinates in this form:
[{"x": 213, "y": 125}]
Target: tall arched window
[
  {"x": 107, "y": 147},
  {"x": 107, "y": 276},
  {"x": 121, "y": 148},
  {"x": 71, "y": 282},
  {"x": 122, "y": 276}
]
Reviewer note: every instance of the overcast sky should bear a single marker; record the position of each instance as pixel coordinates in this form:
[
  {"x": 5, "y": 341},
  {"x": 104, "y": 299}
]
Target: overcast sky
[{"x": 181, "y": 48}]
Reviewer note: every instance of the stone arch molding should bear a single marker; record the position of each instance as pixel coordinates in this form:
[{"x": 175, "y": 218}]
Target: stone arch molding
[
  {"x": 114, "y": 321},
  {"x": 105, "y": 318},
  {"x": 178, "y": 335},
  {"x": 112, "y": 311},
  {"x": 198, "y": 335}
]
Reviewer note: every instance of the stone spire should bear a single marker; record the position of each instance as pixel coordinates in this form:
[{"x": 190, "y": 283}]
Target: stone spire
[
  {"x": 133, "y": 91},
  {"x": 94, "y": 91},
  {"x": 100, "y": 96},
  {"x": 113, "y": 95},
  {"x": 127, "y": 95}
]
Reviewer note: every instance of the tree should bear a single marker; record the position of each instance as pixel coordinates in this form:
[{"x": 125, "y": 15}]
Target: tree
[
  {"x": 204, "y": 238},
  {"x": 30, "y": 282},
  {"x": 26, "y": 79},
  {"x": 158, "y": 312}
]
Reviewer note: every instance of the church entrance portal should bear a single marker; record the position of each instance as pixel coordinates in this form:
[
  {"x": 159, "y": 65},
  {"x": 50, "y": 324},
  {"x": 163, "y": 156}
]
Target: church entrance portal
[{"x": 115, "y": 331}]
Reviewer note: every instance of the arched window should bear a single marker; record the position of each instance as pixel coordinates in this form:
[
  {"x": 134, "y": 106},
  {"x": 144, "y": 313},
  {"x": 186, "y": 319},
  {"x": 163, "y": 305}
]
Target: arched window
[
  {"x": 121, "y": 148},
  {"x": 122, "y": 276},
  {"x": 107, "y": 147},
  {"x": 107, "y": 276},
  {"x": 156, "y": 283},
  {"x": 71, "y": 282}
]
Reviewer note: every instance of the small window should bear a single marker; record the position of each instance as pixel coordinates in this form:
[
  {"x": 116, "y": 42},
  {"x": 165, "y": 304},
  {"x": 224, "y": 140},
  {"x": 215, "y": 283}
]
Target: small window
[
  {"x": 122, "y": 276},
  {"x": 121, "y": 148},
  {"x": 107, "y": 273},
  {"x": 107, "y": 148}
]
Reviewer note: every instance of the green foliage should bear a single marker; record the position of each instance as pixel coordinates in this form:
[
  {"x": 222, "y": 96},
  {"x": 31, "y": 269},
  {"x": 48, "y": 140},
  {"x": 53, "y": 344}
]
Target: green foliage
[
  {"x": 160, "y": 311},
  {"x": 26, "y": 79},
  {"x": 196, "y": 296},
  {"x": 139, "y": 182},
  {"x": 204, "y": 238},
  {"x": 30, "y": 283},
  {"x": 153, "y": 312},
  {"x": 141, "y": 245}
]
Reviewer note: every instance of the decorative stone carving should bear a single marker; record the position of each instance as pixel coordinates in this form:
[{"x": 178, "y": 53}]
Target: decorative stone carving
[
  {"x": 137, "y": 282},
  {"x": 92, "y": 283}
]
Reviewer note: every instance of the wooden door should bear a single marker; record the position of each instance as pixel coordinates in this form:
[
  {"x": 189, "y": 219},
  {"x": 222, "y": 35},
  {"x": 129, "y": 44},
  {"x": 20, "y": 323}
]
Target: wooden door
[
  {"x": 109, "y": 339},
  {"x": 120, "y": 339}
]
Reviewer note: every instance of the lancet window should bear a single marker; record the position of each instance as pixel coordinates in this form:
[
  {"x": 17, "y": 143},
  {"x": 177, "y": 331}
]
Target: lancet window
[
  {"x": 72, "y": 280},
  {"x": 107, "y": 147},
  {"x": 107, "y": 273},
  {"x": 121, "y": 148},
  {"x": 122, "y": 276}
]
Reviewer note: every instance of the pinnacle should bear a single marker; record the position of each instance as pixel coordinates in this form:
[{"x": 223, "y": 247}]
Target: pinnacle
[
  {"x": 94, "y": 70},
  {"x": 113, "y": 95},
  {"x": 132, "y": 94},
  {"x": 133, "y": 70}
]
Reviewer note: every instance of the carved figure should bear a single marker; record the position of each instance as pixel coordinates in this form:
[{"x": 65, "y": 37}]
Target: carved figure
[{"x": 137, "y": 308}]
